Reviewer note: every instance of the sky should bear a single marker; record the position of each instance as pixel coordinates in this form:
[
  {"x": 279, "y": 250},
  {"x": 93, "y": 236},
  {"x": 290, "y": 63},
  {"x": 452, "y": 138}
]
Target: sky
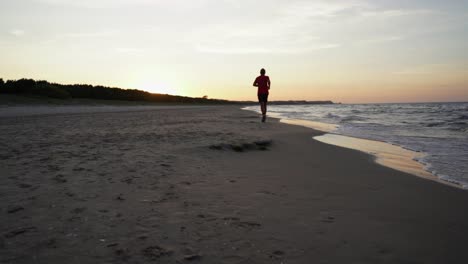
[{"x": 350, "y": 51}]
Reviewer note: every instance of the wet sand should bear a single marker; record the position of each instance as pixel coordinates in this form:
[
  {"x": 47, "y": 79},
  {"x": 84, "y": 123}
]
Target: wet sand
[
  {"x": 210, "y": 185},
  {"x": 386, "y": 154}
]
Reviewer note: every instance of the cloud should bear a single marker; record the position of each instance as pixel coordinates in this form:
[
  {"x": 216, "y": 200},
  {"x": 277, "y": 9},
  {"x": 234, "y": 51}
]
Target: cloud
[
  {"x": 17, "y": 32},
  {"x": 129, "y": 51},
  {"x": 381, "y": 39},
  {"x": 427, "y": 69},
  {"x": 323, "y": 9},
  {"x": 392, "y": 13},
  {"x": 105, "y": 33},
  {"x": 81, "y": 35},
  {"x": 260, "y": 50},
  {"x": 244, "y": 39},
  {"x": 288, "y": 27},
  {"x": 262, "y": 26},
  {"x": 100, "y": 4},
  {"x": 298, "y": 26},
  {"x": 96, "y": 3}
]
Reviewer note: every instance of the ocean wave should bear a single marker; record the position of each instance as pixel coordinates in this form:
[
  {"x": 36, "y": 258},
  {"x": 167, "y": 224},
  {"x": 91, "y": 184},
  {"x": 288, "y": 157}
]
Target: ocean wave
[
  {"x": 448, "y": 179},
  {"x": 330, "y": 115},
  {"x": 435, "y": 124},
  {"x": 353, "y": 118},
  {"x": 278, "y": 112},
  {"x": 458, "y": 129},
  {"x": 458, "y": 123}
]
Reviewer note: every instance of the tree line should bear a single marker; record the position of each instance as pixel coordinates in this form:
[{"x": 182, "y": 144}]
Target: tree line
[{"x": 69, "y": 91}]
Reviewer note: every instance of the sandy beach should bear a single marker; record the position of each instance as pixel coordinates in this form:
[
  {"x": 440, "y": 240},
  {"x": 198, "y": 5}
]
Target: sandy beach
[{"x": 209, "y": 184}]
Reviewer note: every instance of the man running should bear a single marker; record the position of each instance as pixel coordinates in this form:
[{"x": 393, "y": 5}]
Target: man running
[{"x": 263, "y": 83}]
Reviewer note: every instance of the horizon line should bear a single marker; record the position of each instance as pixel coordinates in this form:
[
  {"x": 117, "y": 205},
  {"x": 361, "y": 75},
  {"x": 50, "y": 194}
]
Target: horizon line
[{"x": 253, "y": 101}]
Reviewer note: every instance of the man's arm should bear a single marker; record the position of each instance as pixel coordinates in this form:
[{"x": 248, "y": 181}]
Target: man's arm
[
  {"x": 255, "y": 83},
  {"x": 269, "y": 83}
]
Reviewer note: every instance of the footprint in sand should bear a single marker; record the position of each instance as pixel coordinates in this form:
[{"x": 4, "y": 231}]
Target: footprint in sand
[
  {"x": 192, "y": 257},
  {"x": 78, "y": 210},
  {"x": 277, "y": 254},
  {"x": 266, "y": 193},
  {"x": 50, "y": 243},
  {"x": 19, "y": 231},
  {"x": 127, "y": 180},
  {"x": 235, "y": 221},
  {"x": 328, "y": 219},
  {"x": 24, "y": 185},
  {"x": 60, "y": 178},
  {"x": 156, "y": 252},
  {"x": 248, "y": 224},
  {"x": 233, "y": 258},
  {"x": 14, "y": 209}
]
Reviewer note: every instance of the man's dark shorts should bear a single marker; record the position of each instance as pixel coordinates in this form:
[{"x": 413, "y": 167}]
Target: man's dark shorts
[{"x": 262, "y": 98}]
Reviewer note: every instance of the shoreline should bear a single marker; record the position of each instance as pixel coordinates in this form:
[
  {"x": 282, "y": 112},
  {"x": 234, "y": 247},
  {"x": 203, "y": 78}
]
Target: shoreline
[
  {"x": 388, "y": 155},
  {"x": 384, "y": 153},
  {"x": 214, "y": 185}
]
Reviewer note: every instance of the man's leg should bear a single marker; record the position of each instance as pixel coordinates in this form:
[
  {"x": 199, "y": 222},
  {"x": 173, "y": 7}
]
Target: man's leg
[{"x": 263, "y": 111}]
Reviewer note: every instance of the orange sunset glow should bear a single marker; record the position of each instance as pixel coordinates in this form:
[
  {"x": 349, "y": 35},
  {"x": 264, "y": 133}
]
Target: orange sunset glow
[{"x": 345, "y": 51}]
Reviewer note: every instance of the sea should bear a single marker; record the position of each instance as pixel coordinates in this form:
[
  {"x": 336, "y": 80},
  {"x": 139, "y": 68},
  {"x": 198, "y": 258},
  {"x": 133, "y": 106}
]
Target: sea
[{"x": 438, "y": 130}]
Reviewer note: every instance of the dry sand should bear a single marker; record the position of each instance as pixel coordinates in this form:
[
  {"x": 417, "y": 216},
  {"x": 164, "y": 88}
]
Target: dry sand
[{"x": 210, "y": 185}]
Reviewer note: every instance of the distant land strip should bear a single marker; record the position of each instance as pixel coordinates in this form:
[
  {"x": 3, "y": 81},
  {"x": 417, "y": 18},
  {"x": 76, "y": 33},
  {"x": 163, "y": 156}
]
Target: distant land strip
[{"x": 41, "y": 88}]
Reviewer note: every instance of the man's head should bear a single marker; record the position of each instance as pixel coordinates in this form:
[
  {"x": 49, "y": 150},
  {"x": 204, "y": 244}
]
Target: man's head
[{"x": 262, "y": 71}]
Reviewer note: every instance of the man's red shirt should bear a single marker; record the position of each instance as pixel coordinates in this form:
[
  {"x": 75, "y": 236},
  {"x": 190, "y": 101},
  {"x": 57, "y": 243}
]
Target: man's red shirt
[{"x": 263, "y": 83}]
